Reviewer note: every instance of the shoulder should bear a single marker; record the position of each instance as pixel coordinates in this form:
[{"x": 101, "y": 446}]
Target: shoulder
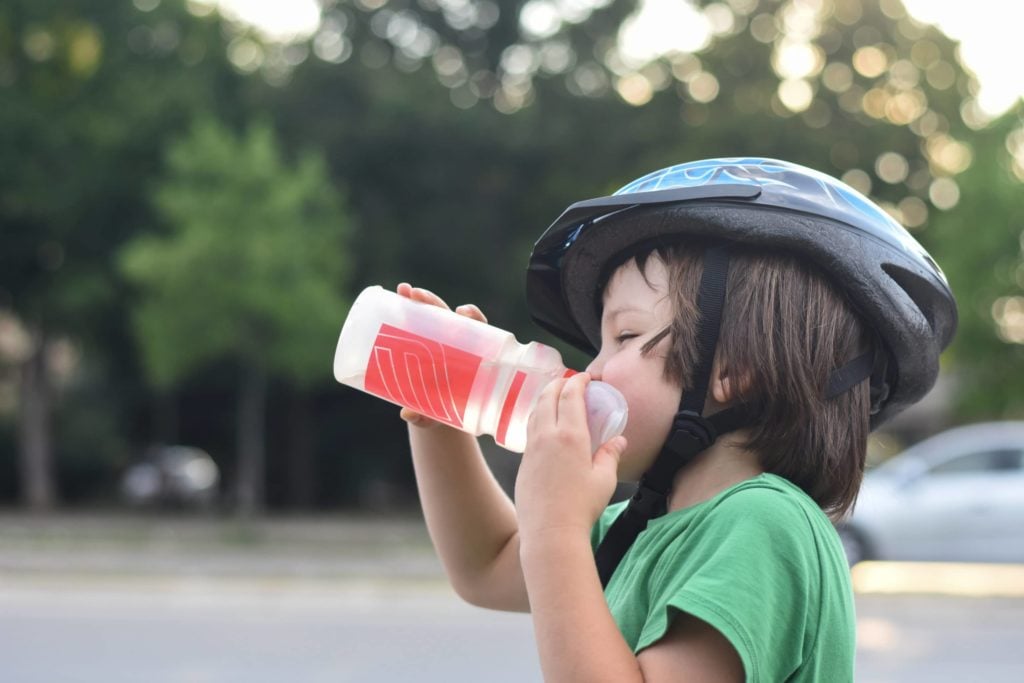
[
  {"x": 766, "y": 503},
  {"x": 761, "y": 527},
  {"x": 768, "y": 494},
  {"x": 764, "y": 527}
]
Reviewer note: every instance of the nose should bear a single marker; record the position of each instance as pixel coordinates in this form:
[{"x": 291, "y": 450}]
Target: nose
[{"x": 594, "y": 368}]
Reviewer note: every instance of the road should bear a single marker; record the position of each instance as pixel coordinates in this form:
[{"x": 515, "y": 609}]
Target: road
[
  {"x": 110, "y": 599},
  {"x": 200, "y": 631},
  {"x": 203, "y": 630}
]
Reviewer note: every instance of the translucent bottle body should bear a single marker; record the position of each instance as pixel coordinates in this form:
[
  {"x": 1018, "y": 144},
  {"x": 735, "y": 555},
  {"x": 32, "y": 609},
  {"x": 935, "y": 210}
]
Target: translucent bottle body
[{"x": 458, "y": 371}]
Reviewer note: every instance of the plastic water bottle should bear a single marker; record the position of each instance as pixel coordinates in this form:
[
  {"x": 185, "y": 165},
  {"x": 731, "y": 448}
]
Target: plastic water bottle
[{"x": 458, "y": 371}]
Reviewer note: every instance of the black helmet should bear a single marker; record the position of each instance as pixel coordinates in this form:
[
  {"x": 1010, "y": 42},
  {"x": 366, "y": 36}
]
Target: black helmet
[{"x": 887, "y": 276}]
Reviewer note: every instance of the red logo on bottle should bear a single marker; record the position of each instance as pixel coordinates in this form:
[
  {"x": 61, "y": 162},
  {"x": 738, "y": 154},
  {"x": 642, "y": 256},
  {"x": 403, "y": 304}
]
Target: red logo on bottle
[{"x": 433, "y": 379}]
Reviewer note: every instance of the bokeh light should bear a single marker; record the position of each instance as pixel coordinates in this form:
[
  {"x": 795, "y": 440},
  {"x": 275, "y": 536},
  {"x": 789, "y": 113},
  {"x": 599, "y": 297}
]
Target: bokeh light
[
  {"x": 944, "y": 193},
  {"x": 1008, "y": 313},
  {"x": 892, "y": 167}
]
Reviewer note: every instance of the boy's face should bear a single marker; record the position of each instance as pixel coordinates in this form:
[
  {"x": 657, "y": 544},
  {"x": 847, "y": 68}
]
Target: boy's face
[{"x": 635, "y": 310}]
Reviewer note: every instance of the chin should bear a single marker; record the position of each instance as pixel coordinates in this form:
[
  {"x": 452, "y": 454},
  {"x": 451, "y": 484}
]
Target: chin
[{"x": 632, "y": 465}]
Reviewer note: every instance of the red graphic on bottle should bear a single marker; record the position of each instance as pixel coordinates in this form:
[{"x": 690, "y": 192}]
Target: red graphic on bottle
[
  {"x": 510, "y": 403},
  {"x": 432, "y": 378}
]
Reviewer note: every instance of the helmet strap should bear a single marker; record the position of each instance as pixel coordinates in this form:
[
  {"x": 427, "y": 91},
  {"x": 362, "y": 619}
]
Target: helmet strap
[{"x": 691, "y": 432}]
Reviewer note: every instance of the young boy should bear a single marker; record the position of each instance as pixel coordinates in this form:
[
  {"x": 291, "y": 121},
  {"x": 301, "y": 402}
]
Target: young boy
[{"x": 760, "y": 318}]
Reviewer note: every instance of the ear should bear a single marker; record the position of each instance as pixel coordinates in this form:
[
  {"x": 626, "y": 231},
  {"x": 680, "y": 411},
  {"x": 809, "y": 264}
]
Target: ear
[{"x": 727, "y": 387}]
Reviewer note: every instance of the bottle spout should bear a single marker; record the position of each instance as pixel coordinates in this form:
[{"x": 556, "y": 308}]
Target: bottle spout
[{"x": 607, "y": 412}]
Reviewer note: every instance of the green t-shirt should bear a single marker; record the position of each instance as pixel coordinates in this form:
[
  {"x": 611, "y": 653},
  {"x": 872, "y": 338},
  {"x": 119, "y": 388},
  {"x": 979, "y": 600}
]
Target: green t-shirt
[{"x": 761, "y": 563}]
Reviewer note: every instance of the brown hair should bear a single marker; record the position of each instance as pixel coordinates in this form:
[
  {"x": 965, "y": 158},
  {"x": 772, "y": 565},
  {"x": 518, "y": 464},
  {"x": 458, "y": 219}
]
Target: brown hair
[{"x": 785, "y": 328}]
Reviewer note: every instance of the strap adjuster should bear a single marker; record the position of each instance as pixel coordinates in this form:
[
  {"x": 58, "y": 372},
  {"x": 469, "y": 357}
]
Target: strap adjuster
[
  {"x": 691, "y": 434},
  {"x": 647, "y": 502}
]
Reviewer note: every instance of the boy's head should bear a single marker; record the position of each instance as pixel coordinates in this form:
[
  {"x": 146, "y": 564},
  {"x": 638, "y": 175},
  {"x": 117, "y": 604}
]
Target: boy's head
[
  {"x": 825, "y": 291},
  {"x": 784, "y": 329}
]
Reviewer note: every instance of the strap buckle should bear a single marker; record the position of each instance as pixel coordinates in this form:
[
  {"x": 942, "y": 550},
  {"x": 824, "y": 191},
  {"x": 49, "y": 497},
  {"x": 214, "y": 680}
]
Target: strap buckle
[{"x": 691, "y": 434}]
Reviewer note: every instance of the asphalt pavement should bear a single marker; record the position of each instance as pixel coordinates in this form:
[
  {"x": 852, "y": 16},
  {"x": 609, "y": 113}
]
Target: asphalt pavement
[{"x": 189, "y": 600}]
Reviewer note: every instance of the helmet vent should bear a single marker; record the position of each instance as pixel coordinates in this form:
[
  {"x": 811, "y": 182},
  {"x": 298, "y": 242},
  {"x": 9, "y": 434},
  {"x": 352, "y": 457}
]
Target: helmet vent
[{"x": 920, "y": 291}]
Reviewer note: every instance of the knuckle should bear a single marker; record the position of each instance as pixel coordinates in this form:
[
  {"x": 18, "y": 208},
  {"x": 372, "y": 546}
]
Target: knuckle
[{"x": 567, "y": 437}]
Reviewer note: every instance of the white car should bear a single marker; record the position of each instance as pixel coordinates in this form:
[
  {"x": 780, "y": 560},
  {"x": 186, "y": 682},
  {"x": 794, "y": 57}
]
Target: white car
[{"x": 957, "y": 496}]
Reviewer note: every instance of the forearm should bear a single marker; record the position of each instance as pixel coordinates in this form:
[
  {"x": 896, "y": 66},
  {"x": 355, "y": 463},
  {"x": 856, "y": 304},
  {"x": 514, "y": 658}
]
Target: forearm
[
  {"x": 472, "y": 522},
  {"x": 577, "y": 638}
]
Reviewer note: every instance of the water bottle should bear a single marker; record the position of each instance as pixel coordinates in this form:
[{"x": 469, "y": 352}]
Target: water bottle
[{"x": 458, "y": 371}]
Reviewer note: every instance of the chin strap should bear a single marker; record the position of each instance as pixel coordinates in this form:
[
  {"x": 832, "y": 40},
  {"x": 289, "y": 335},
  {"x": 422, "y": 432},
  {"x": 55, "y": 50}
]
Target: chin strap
[{"x": 692, "y": 433}]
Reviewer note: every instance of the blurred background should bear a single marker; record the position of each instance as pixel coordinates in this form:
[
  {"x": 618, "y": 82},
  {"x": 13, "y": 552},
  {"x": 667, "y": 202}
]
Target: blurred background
[{"x": 192, "y": 192}]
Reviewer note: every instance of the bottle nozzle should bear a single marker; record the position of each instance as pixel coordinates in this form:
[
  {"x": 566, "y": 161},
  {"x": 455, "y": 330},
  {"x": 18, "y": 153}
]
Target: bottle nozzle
[{"x": 607, "y": 412}]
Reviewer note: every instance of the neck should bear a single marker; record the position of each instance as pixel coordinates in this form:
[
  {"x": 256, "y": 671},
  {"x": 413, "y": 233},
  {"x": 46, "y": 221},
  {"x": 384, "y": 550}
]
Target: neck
[{"x": 723, "y": 465}]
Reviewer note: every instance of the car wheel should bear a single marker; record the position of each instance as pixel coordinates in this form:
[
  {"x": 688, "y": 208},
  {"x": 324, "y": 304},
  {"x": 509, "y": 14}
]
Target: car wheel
[{"x": 854, "y": 545}]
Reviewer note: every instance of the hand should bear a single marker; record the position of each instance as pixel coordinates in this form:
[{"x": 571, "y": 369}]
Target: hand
[
  {"x": 428, "y": 297},
  {"x": 561, "y": 486}
]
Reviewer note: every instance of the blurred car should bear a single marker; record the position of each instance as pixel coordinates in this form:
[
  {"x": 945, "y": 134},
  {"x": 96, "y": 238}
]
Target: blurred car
[
  {"x": 172, "y": 476},
  {"x": 957, "y": 496}
]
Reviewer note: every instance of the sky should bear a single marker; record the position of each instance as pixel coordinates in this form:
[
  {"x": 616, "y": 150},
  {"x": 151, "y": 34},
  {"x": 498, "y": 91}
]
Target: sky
[{"x": 987, "y": 31}]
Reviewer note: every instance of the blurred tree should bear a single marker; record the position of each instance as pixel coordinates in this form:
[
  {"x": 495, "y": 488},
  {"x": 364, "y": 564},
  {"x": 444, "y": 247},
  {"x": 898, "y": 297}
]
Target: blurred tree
[
  {"x": 460, "y": 129},
  {"x": 565, "y": 110},
  {"x": 252, "y": 268},
  {"x": 87, "y": 92},
  {"x": 980, "y": 244},
  {"x": 858, "y": 89}
]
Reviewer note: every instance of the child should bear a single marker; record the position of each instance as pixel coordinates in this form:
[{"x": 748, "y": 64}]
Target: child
[{"x": 760, "y": 318}]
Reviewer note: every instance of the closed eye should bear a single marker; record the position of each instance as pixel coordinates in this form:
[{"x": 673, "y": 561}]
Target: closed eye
[{"x": 624, "y": 337}]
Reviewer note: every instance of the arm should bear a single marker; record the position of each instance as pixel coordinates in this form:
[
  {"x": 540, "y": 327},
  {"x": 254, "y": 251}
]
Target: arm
[
  {"x": 560, "y": 491},
  {"x": 577, "y": 637},
  {"x": 472, "y": 522}
]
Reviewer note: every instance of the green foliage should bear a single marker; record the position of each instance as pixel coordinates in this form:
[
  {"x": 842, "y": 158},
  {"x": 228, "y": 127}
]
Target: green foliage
[
  {"x": 455, "y": 159},
  {"x": 252, "y": 265},
  {"x": 88, "y": 93},
  {"x": 980, "y": 245}
]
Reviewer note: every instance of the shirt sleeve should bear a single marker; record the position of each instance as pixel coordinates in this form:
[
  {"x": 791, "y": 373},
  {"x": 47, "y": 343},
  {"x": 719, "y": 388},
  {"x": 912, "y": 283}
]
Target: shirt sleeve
[
  {"x": 747, "y": 568},
  {"x": 606, "y": 519}
]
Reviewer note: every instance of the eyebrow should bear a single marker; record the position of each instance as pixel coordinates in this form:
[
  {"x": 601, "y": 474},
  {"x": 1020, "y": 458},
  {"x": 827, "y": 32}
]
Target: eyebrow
[{"x": 615, "y": 312}]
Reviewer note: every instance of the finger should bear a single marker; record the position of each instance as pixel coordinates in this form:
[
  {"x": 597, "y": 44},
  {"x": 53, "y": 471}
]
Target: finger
[
  {"x": 417, "y": 419},
  {"x": 420, "y": 294},
  {"x": 427, "y": 297},
  {"x": 572, "y": 408},
  {"x": 608, "y": 455},
  {"x": 471, "y": 311},
  {"x": 412, "y": 417},
  {"x": 545, "y": 413}
]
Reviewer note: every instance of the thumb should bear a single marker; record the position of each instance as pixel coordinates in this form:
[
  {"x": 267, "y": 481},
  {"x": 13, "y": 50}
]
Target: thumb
[{"x": 607, "y": 456}]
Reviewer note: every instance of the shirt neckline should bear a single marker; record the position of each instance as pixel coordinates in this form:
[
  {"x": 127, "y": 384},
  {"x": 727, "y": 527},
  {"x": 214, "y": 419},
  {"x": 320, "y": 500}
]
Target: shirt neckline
[{"x": 683, "y": 513}]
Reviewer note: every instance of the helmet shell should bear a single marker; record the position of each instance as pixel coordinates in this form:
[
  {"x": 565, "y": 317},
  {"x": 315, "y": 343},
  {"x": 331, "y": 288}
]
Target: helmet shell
[{"x": 889, "y": 278}]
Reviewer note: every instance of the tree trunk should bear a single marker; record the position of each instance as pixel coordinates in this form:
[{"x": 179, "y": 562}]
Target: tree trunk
[
  {"x": 165, "y": 417},
  {"x": 35, "y": 443},
  {"x": 301, "y": 474},
  {"x": 252, "y": 408}
]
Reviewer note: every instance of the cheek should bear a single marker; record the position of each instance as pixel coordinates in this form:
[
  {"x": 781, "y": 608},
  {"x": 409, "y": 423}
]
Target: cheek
[{"x": 652, "y": 401}]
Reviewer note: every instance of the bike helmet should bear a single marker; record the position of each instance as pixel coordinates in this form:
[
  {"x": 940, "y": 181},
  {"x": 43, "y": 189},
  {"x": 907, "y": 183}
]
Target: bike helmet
[
  {"x": 891, "y": 280},
  {"x": 888, "y": 277}
]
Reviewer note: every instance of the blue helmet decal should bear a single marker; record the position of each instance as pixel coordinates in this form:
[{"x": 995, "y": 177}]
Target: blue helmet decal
[
  {"x": 782, "y": 184},
  {"x": 742, "y": 170}
]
